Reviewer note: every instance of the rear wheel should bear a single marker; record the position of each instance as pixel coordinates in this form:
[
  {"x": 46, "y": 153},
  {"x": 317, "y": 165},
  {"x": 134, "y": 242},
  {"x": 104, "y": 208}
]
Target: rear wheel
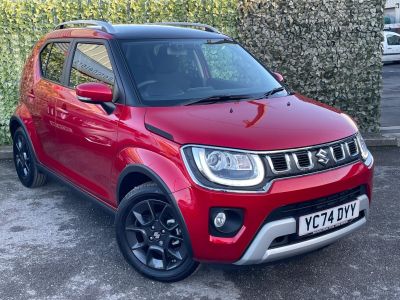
[
  {"x": 24, "y": 161},
  {"x": 150, "y": 235}
]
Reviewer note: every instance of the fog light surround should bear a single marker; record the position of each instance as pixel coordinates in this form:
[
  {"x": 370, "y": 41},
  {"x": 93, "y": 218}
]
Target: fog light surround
[{"x": 225, "y": 221}]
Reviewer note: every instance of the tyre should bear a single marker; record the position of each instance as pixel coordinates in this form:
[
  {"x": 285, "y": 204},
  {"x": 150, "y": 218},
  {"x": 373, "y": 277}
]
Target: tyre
[
  {"x": 150, "y": 236},
  {"x": 25, "y": 162}
]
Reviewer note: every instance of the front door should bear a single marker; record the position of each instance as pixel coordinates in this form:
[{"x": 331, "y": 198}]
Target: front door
[{"x": 87, "y": 132}]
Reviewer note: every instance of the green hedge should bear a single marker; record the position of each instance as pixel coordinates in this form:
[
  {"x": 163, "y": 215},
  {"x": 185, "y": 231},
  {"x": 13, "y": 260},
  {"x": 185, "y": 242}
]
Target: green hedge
[
  {"x": 22, "y": 23},
  {"x": 329, "y": 50}
]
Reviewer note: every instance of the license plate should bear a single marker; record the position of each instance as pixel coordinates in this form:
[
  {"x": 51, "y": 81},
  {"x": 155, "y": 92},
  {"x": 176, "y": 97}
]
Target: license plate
[{"x": 327, "y": 219}]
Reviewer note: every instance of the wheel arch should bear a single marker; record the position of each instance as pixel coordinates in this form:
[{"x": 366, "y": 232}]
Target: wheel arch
[
  {"x": 15, "y": 123},
  {"x": 144, "y": 174},
  {"x": 148, "y": 175}
]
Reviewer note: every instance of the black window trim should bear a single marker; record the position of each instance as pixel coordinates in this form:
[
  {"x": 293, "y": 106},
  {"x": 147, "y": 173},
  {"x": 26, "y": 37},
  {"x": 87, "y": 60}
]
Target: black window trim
[
  {"x": 118, "y": 89},
  {"x": 52, "y": 41}
]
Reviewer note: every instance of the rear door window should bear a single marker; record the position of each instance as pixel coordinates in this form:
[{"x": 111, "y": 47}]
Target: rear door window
[{"x": 52, "y": 60}]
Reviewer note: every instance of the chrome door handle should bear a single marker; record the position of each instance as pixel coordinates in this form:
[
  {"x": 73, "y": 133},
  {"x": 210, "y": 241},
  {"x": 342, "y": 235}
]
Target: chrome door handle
[
  {"x": 61, "y": 110},
  {"x": 31, "y": 95},
  {"x": 61, "y": 113}
]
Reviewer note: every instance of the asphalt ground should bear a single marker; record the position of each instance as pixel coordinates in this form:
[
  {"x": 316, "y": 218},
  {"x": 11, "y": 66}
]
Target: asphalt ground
[
  {"x": 390, "y": 102},
  {"x": 54, "y": 244}
]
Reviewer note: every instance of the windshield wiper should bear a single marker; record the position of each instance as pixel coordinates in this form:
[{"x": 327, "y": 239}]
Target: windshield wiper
[
  {"x": 273, "y": 91},
  {"x": 218, "y": 98},
  {"x": 224, "y": 41}
]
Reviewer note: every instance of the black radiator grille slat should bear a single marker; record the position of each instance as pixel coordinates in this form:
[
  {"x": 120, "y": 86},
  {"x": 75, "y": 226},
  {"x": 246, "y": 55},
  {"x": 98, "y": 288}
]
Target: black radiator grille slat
[
  {"x": 303, "y": 159},
  {"x": 304, "y": 208},
  {"x": 338, "y": 152},
  {"x": 352, "y": 147},
  {"x": 279, "y": 162}
]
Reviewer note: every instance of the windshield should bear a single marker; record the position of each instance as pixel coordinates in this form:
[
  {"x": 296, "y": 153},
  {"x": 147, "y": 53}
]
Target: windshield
[{"x": 173, "y": 72}]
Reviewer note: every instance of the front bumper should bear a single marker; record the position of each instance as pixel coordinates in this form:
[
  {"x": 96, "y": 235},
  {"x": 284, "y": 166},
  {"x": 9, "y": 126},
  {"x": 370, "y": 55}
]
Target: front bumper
[
  {"x": 195, "y": 203},
  {"x": 259, "y": 251}
]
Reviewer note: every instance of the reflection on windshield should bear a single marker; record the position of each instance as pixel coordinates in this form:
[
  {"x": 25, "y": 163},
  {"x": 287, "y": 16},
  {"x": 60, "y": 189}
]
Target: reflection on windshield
[{"x": 171, "y": 72}]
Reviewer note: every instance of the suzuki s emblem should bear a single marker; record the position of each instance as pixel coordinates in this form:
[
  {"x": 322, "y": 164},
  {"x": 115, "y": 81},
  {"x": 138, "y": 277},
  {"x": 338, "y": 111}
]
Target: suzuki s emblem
[{"x": 322, "y": 156}]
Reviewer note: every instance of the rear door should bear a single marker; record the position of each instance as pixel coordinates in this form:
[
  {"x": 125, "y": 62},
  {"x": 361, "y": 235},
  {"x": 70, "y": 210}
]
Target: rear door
[
  {"x": 44, "y": 95},
  {"x": 87, "y": 132}
]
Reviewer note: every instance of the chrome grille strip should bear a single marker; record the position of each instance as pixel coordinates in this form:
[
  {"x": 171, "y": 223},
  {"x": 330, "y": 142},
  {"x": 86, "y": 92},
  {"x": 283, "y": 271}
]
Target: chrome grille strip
[{"x": 312, "y": 159}]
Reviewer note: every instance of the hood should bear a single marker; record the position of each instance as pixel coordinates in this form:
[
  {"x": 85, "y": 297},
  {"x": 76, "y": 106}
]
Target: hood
[{"x": 269, "y": 124}]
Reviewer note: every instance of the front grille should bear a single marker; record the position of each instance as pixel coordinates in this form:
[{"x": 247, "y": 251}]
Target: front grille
[
  {"x": 304, "y": 208},
  {"x": 312, "y": 159}
]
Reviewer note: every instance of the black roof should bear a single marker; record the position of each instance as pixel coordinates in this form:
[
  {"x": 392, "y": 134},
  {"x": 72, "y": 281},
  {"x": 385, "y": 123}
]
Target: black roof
[{"x": 162, "y": 32}]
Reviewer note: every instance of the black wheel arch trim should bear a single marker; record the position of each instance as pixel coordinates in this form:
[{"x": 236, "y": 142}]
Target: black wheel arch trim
[
  {"x": 23, "y": 126},
  {"x": 142, "y": 169}
]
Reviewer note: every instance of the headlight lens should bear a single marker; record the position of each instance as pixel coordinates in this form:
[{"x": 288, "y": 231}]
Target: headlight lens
[
  {"x": 362, "y": 146},
  {"x": 229, "y": 168}
]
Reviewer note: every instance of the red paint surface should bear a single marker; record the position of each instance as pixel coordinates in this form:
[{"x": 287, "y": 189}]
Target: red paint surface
[{"x": 95, "y": 91}]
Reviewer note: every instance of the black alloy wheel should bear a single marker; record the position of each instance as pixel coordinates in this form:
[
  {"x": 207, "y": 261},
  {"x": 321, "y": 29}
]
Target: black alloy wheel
[{"x": 150, "y": 235}]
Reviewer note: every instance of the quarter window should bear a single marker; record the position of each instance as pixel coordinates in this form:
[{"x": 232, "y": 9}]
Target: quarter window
[
  {"x": 52, "y": 59},
  {"x": 91, "y": 63}
]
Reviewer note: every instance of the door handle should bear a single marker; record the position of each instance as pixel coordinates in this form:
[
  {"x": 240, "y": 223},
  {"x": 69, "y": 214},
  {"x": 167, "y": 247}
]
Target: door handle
[
  {"x": 31, "y": 95},
  {"x": 61, "y": 110}
]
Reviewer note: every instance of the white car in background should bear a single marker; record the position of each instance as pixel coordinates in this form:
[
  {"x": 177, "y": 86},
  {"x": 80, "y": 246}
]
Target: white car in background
[{"x": 391, "y": 46}]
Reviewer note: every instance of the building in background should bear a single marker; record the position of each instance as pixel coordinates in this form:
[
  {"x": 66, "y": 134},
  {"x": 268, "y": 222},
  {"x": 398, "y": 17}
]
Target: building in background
[{"x": 392, "y": 15}]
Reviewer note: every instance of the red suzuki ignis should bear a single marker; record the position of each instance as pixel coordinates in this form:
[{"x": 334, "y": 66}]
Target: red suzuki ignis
[{"x": 202, "y": 153}]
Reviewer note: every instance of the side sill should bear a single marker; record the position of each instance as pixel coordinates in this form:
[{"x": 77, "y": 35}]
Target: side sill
[{"x": 107, "y": 208}]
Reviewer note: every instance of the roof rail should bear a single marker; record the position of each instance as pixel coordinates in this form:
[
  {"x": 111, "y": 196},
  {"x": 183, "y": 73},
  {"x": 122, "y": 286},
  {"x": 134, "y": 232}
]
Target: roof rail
[
  {"x": 188, "y": 24},
  {"x": 105, "y": 26}
]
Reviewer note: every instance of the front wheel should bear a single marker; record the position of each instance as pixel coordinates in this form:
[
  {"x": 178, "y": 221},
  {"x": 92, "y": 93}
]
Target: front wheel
[{"x": 150, "y": 236}]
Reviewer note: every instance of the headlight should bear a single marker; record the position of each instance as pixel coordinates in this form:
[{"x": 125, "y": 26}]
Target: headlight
[
  {"x": 363, "y": 147},
  {"x": 228, "y": 168}
]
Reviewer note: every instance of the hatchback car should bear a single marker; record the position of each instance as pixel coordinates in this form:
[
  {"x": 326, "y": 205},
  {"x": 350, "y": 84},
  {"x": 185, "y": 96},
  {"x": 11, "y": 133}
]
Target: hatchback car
[
  {"x": 391, "y": 46},
  {"x": 203, "y": 153}
]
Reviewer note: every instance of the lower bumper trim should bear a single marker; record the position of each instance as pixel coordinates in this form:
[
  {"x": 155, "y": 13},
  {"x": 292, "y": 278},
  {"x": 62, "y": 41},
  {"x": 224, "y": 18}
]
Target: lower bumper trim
[{"x": 259, "y": 251}]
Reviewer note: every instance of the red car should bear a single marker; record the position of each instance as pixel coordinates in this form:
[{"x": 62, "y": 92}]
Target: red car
[{"x": 203, "y": 154}]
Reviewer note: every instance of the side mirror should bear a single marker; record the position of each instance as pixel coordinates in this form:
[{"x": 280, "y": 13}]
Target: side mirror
[
  {"x": 94, "y": 92},
  {"x": 278, "y": 76}
]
